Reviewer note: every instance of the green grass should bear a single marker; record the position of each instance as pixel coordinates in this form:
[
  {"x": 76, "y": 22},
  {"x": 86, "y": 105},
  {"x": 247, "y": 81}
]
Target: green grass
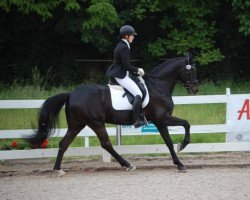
[
  {"x": 22, "y": 118},
  {"x": 30, "y": 92},
  {"x": 209, "y": 88},
  {"x": 202, "y": 113},
  {"x": 157, "y": 139}
]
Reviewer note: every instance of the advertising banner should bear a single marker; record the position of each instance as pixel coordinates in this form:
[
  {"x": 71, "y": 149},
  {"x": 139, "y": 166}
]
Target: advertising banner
[{"x": 238, "y": 118}]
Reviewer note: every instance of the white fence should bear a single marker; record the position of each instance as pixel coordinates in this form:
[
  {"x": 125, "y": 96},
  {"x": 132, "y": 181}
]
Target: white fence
[{"x": 122, "y": 149}]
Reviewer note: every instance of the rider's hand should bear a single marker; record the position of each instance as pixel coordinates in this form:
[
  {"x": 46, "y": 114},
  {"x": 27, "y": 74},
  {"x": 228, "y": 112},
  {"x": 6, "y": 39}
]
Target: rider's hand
[{"x": 140, "y": 72}]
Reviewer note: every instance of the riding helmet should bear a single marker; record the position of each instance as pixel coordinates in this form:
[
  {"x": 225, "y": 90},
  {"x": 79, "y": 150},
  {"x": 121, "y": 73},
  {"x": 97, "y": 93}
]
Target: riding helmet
[{"x": 127, "y": 30}]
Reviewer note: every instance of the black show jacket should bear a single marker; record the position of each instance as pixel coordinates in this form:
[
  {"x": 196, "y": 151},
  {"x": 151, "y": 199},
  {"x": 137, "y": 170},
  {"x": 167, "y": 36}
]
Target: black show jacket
[{"x": 121, "y": 62}]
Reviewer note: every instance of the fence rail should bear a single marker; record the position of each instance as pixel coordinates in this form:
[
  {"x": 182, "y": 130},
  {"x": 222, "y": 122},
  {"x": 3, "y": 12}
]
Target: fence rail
[
  {"x": 87, "y": 132},
  {"x": 201, "y": 99},
  {"x": 112, "y": 131}
]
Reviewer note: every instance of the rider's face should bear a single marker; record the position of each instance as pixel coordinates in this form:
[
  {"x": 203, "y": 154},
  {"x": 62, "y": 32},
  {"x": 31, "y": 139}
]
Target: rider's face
[{"x": 130, "y": 38}]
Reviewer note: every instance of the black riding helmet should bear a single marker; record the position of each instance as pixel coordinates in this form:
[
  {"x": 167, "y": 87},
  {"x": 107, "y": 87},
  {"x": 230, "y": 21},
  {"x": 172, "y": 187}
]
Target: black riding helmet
[{"x": 127, "y": 30}]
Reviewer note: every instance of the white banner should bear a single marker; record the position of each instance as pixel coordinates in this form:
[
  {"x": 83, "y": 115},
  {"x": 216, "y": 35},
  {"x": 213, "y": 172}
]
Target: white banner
[{"x": 238, "y": 118}]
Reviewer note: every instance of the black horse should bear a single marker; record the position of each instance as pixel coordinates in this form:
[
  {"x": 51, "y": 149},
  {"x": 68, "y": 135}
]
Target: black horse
[{"x": 91, "y": 105}]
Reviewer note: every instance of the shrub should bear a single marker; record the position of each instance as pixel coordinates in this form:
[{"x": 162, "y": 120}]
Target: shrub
[{"x": 20, "y": 145}]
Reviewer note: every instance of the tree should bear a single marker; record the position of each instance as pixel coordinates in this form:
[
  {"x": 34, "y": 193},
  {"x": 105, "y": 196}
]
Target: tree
[
  {"x": 53, "y": 33},
  {"x": 100, "y": 25},
  {"x": 43, "y": 8},
  {"x": 242, "y": 12}
]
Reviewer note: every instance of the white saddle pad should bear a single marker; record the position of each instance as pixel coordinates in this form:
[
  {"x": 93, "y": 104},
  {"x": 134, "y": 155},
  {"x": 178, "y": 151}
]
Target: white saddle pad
[{"x": 121, "y": 103}]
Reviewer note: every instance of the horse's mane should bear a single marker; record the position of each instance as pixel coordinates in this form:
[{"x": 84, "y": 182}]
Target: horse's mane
[
  {"x": 165, "y": 64},
  {"x": 151, "y": 77}
]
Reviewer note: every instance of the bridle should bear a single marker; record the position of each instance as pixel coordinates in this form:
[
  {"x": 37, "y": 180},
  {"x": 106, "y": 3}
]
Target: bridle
[{"x": 191, "y": 71}]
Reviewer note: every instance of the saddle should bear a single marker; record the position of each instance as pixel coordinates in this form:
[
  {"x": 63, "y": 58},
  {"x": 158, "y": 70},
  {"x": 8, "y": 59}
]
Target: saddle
[{"x": 130, "y": 97}]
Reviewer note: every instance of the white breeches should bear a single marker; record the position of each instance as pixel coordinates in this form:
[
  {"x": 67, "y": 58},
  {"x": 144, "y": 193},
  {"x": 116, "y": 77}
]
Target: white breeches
[{"x": 130, "y": 85}]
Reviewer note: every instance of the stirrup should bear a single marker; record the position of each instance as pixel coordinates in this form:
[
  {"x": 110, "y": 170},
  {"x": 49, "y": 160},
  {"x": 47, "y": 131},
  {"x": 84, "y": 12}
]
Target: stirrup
[
  {"x": 140, "y": 123},
  {"x": 143, "y": 118}
]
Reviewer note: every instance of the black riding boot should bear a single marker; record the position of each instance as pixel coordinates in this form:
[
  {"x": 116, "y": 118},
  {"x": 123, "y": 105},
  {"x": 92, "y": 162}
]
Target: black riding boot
[{"x": 137, "y": 112}]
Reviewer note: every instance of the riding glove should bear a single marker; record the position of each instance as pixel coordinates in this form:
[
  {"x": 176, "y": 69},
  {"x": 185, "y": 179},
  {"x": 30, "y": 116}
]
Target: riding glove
[{"x": 140, "y": 72}]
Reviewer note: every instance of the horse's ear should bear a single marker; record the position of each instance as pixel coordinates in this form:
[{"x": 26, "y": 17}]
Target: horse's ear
[
  {"x": 188, "y": 55},
  {"x": 189, "y": 58}
]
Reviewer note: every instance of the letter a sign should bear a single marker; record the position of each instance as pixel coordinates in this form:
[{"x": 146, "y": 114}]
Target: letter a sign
[
  {"x": 245, "y": 110},
  {"x": 238, "y": 118}
]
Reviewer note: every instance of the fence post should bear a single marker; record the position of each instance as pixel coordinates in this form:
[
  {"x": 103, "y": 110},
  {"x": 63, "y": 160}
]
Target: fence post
[
  {"x": 118, "y": 135},
  {"x": 228, "y": 93},
  {"x": 106, "y": 157},
  {"x": 86, "y": 141}
]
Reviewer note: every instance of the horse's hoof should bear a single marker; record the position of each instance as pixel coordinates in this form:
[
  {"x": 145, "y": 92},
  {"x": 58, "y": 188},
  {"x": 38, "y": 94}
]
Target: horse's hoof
[
  {"x": 131, "y": 168},
  {"x": 60, "y": 172},
  {"x": 181, "y": 146},
  {"x": 182, "y": 169}
]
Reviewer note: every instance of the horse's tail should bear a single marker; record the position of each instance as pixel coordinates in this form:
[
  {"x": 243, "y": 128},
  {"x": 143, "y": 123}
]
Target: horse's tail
[{"x": 48, "y": 119}]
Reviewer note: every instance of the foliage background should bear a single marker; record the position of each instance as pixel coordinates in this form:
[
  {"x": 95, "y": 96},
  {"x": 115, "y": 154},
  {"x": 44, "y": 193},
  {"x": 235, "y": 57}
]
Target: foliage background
[{"x": 50, "y": 37}]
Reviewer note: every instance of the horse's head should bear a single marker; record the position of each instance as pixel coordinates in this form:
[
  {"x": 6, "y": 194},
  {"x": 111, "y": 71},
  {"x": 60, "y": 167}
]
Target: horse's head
[
  {"x": 187, "y": 75},
  {"x": 182, "y": 68}
]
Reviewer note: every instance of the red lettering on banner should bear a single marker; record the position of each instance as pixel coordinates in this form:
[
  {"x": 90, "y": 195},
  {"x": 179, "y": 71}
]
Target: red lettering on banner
[{"x": 245, "y": 109}]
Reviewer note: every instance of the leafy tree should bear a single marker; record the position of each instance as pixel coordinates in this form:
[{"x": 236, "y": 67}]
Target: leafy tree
[
  {"x": 189, "y": 27},
  {"x": 242, "y": 11},
  {"x": 51, "y": 34},
  {"x": 101, "y": 22},
  {"x": 41, "y": 8}
]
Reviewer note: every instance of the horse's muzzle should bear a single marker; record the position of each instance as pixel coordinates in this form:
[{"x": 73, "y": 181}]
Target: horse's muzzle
[{"x": 193, "y": 89}]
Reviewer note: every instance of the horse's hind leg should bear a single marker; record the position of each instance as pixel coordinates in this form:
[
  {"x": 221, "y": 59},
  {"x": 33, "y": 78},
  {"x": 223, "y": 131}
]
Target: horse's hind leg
[
  {"x": 103, "y": 137},
  {"x": 64, "y": 144}
]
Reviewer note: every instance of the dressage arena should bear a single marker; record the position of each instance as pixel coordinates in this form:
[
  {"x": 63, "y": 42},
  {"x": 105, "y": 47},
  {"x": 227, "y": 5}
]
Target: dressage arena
[{"x": 209, "y": 176}]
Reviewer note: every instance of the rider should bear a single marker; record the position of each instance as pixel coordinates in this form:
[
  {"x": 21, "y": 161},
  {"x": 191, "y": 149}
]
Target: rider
[{"x": 121, "y": 68}]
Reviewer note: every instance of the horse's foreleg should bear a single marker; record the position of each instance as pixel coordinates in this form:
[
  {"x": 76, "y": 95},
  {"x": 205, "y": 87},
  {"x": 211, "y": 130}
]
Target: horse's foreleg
[
  {"x": 102, "y": 135},
  {"x": 174, "y": 121},
  {"x": 167, "y": 139}
]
